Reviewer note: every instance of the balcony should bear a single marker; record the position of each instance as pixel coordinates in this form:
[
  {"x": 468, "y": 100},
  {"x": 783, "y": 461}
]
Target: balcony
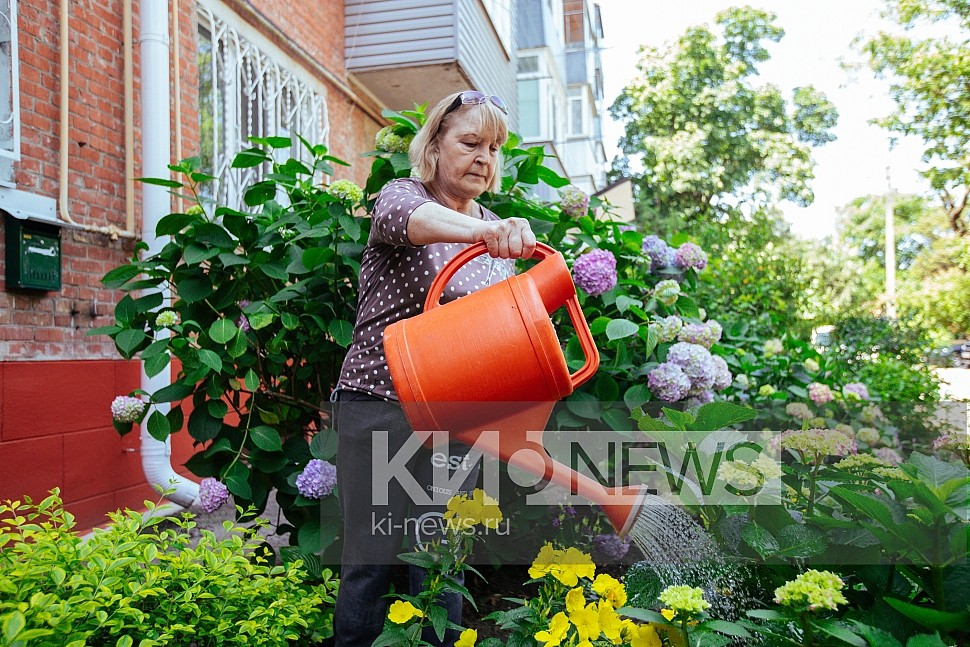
[{"x": 407, "y": 51}]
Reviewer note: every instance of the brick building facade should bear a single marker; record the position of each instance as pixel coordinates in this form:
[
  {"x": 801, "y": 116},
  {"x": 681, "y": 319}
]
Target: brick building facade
[{"x": 56, "y": 383}]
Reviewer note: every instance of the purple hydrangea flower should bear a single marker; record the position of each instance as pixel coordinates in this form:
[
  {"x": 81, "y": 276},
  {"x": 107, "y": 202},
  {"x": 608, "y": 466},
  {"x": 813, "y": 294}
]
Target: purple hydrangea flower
[
  {"x": 125, "y": 408},
  {"x": 722, "y": 374},
  {"x": 697, "y": 363},
  {"x": 668, "y": 382},
  {"x": 888, "y": 454},
  {"x": 819, "y": 393},
  {"x": 660, "y": 253},
  {"x": 612, "y": 546},
  {"x": 706, "y": 334},
  {"x": 667, "y": 328},
  {"x": 317, "y": 479},
  {"x": 243, "y": 321},
  {"x": 573, "y": 202},
  {"x": 212, "y": 494},
  {"x": 690, "y": 255},
  {"x": 595, "y": 272},
  {"x": 857, "y": 389}
]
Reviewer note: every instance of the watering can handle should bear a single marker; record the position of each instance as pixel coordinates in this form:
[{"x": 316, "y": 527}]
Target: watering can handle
[{"x": 542, "y": 252}]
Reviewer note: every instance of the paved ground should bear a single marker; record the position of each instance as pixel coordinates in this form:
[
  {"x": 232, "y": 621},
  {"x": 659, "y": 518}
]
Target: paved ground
[{"x": 956, "y": 382}]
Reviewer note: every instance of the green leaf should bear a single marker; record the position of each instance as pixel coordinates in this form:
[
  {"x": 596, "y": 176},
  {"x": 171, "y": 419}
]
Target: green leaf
[
  {"x": 196, "y": 254},
  {"x": 350, "y": 225},
  {"x": 204, "y": 427},
  {"x": 718, "y": 415},
  {"x": 120, "y": 275},
  {"x": 874, "y": 636},
  {"x": 237, "y": 480},
  {"x": 688, "y": 307},
  {"x": 222, "y": 330},
  {"x": 837, "y": 630},
  {"x": 324, "y": 445},
  {"x": 214, "y": 235},
  {"x": 13, "y": 624},
  {"x": 125, "y": 311},
  {"x": 620, "y": 328},
  {"x": 801, "y": 542},
  {"x": 128, "y": 342},
  {"x": 551, "y": 178},
  {"x": 935, "y": 472},
  {"x": 266, "y": 438},
  {"x": 195, "y": 288},
  {"x": 260, "y": 193},
  {"x": 249, "y": 158},
  {"x": 623, "y": 303},
  {"x": 239, "y": 344},
  {"x": 636, "y": 396},
  {"x": 158, "y": 426},
  {"x": 217, "y": 409},
  {"x": 210, "y": 359},
  {"x": 156, "y": 364},
  {"x": 172, "y": 392},
  {"x": 607, "y": 390},
  {"x": 342, "y": 332},
  {"x": 316, "y": 256},
  {"x": 148, "y": 302},
  {"x": 926, "y": 640},
  {"x": 289, "y": 320},
  {"x": 438, "y": 616},
  {"x": 931, "y": 618},
  {"x": 767, "y": 614},
  {"x": 725, "y": 627},
  {"x": 157, "y": 181},
  {"x": 759, "y": 539},
  {"x": 251, "y": 380},
  {"x": 259, "y": 320},
  {"x": 174, "y": 223}
]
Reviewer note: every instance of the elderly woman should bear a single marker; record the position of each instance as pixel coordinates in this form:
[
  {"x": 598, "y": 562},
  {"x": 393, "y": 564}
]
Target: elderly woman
[{"x": 418, "y": 225}]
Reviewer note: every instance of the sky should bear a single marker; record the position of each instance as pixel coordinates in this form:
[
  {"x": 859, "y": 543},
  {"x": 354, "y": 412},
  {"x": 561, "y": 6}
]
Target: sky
[{"x": 818, "y": 38}]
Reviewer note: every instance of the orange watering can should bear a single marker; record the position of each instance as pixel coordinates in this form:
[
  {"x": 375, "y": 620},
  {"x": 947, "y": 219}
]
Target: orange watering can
[{"x": 491, "y": 362}]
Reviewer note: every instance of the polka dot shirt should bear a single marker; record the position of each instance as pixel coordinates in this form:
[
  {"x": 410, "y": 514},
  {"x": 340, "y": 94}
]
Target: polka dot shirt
[{"x": 395, "y": 276}]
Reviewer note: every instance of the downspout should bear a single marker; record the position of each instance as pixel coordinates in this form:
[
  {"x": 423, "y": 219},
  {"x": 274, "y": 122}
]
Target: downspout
[
  {"x": 111, "y": 231},
  {"x": 156, "y": 138}
]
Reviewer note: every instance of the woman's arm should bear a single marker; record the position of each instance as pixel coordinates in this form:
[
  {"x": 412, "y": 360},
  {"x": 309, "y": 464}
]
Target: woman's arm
[{"x": 433, "y": 223}]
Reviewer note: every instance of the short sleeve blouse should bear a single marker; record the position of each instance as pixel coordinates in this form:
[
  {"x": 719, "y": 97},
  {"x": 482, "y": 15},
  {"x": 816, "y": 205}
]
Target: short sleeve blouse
[{"x": 395, "y": 276}]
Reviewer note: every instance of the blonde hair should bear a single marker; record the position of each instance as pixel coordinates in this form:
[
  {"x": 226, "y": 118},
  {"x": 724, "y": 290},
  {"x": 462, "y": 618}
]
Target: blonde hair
[{"x": 423, "y": 151}]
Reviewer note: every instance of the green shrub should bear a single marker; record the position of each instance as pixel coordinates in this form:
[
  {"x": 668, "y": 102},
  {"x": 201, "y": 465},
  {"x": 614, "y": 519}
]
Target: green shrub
[{"x": 135, "y": 583}]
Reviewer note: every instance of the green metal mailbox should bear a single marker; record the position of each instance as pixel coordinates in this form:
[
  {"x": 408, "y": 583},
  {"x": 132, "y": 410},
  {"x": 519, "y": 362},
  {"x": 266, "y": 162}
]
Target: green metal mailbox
[{"x": 33, "y": 255}]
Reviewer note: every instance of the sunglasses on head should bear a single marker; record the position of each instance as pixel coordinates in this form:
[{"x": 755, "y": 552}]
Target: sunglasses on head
[{"x": 474, "y": 97}]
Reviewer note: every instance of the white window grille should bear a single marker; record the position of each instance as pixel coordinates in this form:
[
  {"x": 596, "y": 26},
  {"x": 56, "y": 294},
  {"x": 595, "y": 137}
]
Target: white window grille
[
  {"x": 9, "y": 90},
  {"x": 243, "y": 93}
]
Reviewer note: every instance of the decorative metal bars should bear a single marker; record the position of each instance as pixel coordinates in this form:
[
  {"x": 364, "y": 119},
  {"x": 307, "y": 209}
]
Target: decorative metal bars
[{"x": 244, "y": 93}]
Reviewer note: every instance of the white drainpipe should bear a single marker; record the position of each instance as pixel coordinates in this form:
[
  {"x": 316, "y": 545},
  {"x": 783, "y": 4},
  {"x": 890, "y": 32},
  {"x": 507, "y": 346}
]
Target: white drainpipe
[{"x": 156, "y": 203}]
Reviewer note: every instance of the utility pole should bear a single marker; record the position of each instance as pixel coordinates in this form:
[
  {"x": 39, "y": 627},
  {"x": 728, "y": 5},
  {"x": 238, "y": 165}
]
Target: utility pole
[{"x": 890, "y": 249}]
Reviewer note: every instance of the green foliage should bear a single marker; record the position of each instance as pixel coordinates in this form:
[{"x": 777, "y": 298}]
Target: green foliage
[
  {"x": 135, "y": 583},
  {"x": 698, "y": 129},
  {"x": 928, "y": 65},
  {"x": 263, "y": 303}
]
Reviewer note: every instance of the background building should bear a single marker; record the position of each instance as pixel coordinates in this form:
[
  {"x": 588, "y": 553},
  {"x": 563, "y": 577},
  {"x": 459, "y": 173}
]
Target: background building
[{"x": 93, "y": 95}]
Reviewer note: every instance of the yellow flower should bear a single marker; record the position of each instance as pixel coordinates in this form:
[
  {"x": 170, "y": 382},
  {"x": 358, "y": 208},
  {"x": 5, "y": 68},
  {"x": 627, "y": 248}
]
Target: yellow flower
[
  {"x": 490, "y": 515},
  {"x": 574, "y": 564},
  {"x": 610, "y": 623},
  {"x": 575, "y": 600},
  {"x": 558, "y": 627},
  {"x": 400, "y": 612},
  {"x": 587, "y": 622},
  {"x": 467, "y": 638},
  {"x": 668, "y": 614},
  {"x": 646, "y": 636},
  {"x": 544, "y": 561},
  {"x": 609, "y": 588}
]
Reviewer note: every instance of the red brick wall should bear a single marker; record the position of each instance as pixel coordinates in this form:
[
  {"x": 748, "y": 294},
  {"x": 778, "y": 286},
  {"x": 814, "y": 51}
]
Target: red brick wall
[{"x": 56, "y": 384}]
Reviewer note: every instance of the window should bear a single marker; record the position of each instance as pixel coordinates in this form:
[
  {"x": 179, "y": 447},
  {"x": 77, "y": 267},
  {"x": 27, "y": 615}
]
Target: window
[
  {"x": 9, "y": 91},
  {"x": 577, "y": 125},
  {"x": 573, "y": 19},
  {"x": 243, "y": 93},
  {"x": 529, "y": 120},
  {"x": 528, "y": 64}
]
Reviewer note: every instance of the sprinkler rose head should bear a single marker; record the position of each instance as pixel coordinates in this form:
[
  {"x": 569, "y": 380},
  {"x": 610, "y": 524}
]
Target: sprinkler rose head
[{"x": 623, "y": 505}]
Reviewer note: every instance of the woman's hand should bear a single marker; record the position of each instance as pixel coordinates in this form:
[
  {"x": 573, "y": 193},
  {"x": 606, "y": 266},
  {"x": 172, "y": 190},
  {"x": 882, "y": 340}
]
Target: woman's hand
[{"x": 509, "y": 238}]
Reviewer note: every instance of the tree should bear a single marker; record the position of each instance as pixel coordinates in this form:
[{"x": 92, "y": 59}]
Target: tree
[
  {"x": 933, "y": 260},
  {"x": 701, "y": 137},
  {"x": 929, "y": 84}
]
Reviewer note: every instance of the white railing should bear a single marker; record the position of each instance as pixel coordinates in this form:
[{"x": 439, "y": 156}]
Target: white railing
[{"x": 243, "y": 93}]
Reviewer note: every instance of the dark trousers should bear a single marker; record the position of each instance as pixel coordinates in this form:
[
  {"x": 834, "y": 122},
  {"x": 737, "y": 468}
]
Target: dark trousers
[{"x": 385, "y": 480}]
